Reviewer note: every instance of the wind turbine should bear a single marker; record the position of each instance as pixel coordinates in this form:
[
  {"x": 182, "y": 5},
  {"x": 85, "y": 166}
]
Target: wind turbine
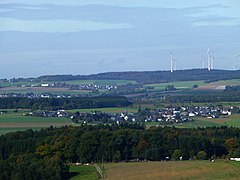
[
  {"x": 203, "y": 62},
  {"x": 236, "y": 65},
  {"x": 171, "y": 56},
  {"x": 209, "y": 59},
  {"x": 173, "y": 62},
  {"x": 212, "y": 60}
]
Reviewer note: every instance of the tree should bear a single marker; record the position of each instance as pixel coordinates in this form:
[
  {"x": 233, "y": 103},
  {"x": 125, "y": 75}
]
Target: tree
[
  {"x": 201, "y": 155},
  {"x": 177, "y": 154},
  {"x": 195, "y": 86},
  {"x": 117, "y": 156},
  {"x": 170, "y": 88}
]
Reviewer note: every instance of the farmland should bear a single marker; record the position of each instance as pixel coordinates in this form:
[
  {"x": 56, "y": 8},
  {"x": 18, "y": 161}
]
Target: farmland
[
  {"x": 41, "y": 90},
  {"x": 35, "y": 87},
  {"x": 220, "y": 84},
  {"x": 173, "y": 170},
  {"x": 107, "y": 110},
  {"x": 11, "y": 122},
  {"x": 101, "y": 82},
  {"x": 83, "y": 172},
  {"x": 184, "y": 87},
  {"x": 178, "y": 85},
  {"x": 231, "y": 121}
]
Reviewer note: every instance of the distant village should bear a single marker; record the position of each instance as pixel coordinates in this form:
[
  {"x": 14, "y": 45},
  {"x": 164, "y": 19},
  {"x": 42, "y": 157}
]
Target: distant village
[
  {"x": 163, "y": 116},
  {"x": 89, "y": 87}
]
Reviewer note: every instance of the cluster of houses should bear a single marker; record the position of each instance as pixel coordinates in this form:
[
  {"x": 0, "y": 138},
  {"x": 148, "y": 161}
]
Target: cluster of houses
[
  {"x": 32, "y": 95},
  {"x": 163, "y": 116},
  {"x": 58, "y": 113},
  {"x": 86, "y": 86}
]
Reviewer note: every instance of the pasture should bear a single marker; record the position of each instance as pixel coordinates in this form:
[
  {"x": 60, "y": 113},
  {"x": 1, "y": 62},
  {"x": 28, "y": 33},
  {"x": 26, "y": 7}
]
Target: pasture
[
  {"x": 42, "y": 90},
  {"x": 83, "y": 172},
  {"x": 178, "y": 85},
  {"x": 107, "y": 110},
  {"x": 168, "y": 170},
  {"x": 99, "y": 82},
  {"x": 220, "y": 85},
  {"x": 11, "y": 122},
  {"x": 25, "y": 87},
  {"x": 233, "y": 120}
]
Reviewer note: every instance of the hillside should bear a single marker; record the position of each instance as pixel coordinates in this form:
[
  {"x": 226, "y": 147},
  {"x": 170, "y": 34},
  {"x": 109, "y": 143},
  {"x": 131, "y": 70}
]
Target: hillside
[{"x": 148, "y": 76}]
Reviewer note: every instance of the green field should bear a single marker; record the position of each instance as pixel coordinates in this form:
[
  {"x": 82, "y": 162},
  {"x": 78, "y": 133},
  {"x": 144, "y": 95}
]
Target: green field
[
  {"x": 11, "y": 122},
  {"x": 99, "y": 82},
  {"x": 107, "y": 110},
  {"x": 189, "y": 84},
  {"x": 83, "y": 172},
  {"x": 233, "y": 120},
  {"x": 173, "y": 170},
  {"x": 16, "y": 87},
  {"x": 178, "y": 85},
  {"x": 44, "y": 91}
]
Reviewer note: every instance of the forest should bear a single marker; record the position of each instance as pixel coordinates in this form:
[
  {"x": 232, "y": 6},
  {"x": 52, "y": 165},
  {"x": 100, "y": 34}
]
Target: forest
[
  {"x": 211, "y": 97},
  {"x": 63, "y": 103},
  {"x": 46, "y": 154},
  {"x": 146, "y": 77}
]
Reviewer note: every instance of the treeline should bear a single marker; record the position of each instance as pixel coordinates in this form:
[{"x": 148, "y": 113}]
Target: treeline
[
  {"x": 56, "y": 147},
  {"x": 226, "y": 96},
  {"x": 153, "y": 76},
  {"x": 232, "y": 88},
  {"x": 63, "y": 103},
  {"x": 147, "y": 77}
]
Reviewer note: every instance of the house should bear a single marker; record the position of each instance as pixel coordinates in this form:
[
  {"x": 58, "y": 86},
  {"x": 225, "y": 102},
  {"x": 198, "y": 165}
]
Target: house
[
  {"x": 191, "y": 114},
  {"x": 45, "y": 85}
]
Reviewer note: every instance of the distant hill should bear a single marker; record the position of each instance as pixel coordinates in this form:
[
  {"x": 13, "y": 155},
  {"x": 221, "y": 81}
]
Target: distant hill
[{"x": 151, "y": 76}]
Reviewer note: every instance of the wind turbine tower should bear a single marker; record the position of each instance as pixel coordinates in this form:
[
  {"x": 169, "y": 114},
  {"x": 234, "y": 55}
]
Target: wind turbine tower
[
  {"x": 209, "y": 55},
  {"x": 171, "y": 56},
  {"x": 212, "y": 60},
  {"x": 203, "y": 62},
  {"x": 173, "y": 62}
]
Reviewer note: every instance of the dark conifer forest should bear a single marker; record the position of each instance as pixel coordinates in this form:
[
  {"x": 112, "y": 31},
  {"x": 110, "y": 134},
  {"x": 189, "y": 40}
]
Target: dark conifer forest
[{"x": 45, "y": 154}]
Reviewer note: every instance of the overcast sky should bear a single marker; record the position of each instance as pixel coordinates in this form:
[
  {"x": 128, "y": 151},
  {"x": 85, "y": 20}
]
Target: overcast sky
[{"x": 39, "y": 37}]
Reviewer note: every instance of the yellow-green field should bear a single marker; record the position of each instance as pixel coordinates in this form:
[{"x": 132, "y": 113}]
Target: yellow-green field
[
  {"x": 220, "y": 84},
  {"x": 173, "y": 170}
]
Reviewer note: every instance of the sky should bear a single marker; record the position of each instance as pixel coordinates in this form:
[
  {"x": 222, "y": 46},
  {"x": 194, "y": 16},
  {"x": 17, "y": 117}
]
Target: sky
[{"x": 45, "y": 37}]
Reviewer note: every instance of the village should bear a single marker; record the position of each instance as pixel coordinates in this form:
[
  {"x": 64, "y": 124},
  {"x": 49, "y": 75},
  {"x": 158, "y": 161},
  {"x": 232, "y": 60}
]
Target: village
[{"x": 163, "y": 116}]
